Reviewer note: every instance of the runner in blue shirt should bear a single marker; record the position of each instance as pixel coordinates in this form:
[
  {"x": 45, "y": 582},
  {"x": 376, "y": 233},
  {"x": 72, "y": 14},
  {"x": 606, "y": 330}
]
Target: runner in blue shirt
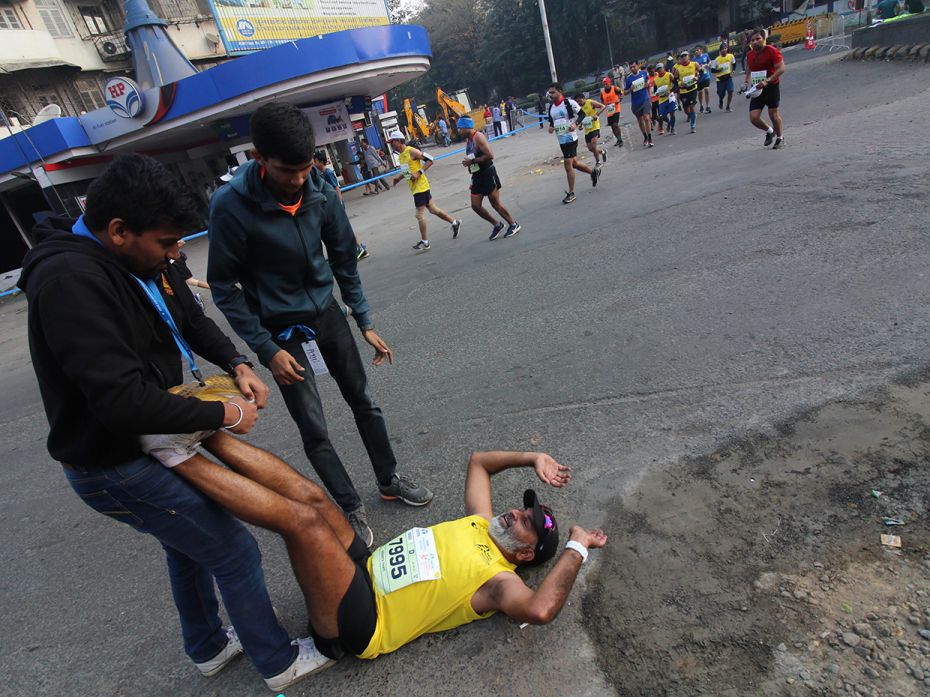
[
  {"x": 703, "y": 61},
  {"x": 329, "y": 176},
  {"x": 637, "y": 85}
]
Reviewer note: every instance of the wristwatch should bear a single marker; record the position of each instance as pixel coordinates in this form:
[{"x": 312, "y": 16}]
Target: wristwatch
[{"x": 236, "y": 362}]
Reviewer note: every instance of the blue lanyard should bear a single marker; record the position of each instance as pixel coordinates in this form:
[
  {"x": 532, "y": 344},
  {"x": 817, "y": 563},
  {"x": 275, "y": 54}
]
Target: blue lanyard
[
  {"x": 158, "y": 302},
  {"x": 151, "y": 291},
  {"x": 288, "y": 333}
]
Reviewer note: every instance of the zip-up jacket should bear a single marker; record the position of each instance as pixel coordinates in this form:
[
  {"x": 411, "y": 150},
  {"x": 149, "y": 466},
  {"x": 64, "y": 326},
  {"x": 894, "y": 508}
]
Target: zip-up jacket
[
  {"x": 103, "y": 357},
  {"x": 266, "y": 268}
]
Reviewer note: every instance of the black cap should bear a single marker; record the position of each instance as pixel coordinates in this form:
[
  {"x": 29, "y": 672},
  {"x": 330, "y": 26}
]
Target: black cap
[{"x": 546, "y": 529}]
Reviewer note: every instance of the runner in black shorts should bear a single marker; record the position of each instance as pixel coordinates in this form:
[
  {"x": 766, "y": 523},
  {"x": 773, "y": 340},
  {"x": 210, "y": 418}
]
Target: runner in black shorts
[
  {"x": 764, "y": 67},
  {"x": 479, "y": 159}
]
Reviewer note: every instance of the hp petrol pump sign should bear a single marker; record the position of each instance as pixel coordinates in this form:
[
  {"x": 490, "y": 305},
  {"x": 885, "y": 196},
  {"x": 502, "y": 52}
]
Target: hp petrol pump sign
[{"x": 124, "y": 97}]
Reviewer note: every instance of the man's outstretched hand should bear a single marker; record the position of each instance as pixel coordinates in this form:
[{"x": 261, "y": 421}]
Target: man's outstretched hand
[
  {"x": 551, "y": 472},
  {"x": 591, "y": 539}
]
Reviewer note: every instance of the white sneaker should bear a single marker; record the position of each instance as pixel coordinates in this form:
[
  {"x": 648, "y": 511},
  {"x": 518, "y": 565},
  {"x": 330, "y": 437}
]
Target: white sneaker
[
  {"x": 308, "y": 661},
  {"x": 232, "y": 649}
]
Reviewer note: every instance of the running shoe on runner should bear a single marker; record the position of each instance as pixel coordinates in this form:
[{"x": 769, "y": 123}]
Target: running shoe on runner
[
  {"x": 402, "y": 489},
  {"x": 421, "y": 246},
  {"x": 603, "y": 155},
  {"x": 694, "y": 129},
  {"x": 569, "y": 197},
  {"x": 512, "y": 230},
  {"x": 456, "y": 226},
  {"x": 361, "y": 252},
  {"x": 496, "y": 232},
  {"x": 779, "y": 144},
  {"x": 769, "y": 137},
  {"x": 595, "y": 174}
]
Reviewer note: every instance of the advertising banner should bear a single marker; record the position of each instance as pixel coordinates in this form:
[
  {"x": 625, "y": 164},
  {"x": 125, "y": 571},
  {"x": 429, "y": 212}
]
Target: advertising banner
[
  {"x": 330, "y": 122},
  {"x": 251, "y": 25}
]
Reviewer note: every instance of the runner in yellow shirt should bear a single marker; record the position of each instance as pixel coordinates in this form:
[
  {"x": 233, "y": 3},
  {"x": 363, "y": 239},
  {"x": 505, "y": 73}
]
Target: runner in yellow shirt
[
  {"x": 686, "y": 74},
  {"x": 722, "y": 68},
  {"x": 413, "y": 166},
  {"x": 591, "y": 122},
  {"x": 663, "y": 85}
]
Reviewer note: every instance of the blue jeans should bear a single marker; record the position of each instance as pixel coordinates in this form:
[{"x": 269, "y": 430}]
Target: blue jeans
[
  {"x": 339, "y": 350},
  {"x": 202, "y": 541}
]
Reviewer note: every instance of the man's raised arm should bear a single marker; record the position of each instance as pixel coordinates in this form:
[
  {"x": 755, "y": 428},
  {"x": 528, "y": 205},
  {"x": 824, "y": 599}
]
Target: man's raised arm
[{"x": 483, "y": 465}]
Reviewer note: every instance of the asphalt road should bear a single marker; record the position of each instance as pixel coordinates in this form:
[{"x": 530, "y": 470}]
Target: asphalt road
[{"x": 707, "y": 288}]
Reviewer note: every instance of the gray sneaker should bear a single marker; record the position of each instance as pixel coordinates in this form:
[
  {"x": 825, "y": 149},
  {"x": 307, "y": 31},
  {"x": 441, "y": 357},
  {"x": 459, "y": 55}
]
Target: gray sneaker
[
  {"x": 406, "y": 491},
  {"x": 358, "y": 519}
]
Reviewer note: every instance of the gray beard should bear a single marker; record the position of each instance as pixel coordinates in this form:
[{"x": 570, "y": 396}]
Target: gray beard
[{"x": 503, "y": 537}]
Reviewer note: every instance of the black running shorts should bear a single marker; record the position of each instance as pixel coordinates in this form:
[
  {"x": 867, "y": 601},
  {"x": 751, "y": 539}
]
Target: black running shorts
[
  {"x": 614, "y": 118},
  {"x": 485, "y": 181},
  {"x": 588, "y": 137},
  {"x": 770, "y": 97},
  {"x": 569, "y": 149},
  {"x": 422, "y": 199},
  {"x": 687, "y": 99}
]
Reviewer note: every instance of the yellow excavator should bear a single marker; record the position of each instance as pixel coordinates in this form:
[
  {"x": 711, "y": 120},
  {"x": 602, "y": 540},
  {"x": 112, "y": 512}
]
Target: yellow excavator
[
  {"x": 447, "y": 104},
  {"x": 417, "y": 126}
]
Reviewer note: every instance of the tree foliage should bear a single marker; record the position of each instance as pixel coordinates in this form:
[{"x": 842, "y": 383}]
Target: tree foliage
[{"x": 496, "y": 48}]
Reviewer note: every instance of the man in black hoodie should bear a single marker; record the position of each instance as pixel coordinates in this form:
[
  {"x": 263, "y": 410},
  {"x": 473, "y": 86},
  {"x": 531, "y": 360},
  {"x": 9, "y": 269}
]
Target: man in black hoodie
[
  {"x": 109, "y": 318},
  {"x": 269, "y": 277}
]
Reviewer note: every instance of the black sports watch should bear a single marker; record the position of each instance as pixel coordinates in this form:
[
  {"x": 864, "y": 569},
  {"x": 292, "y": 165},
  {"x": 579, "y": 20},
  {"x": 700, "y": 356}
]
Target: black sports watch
[{"x": 236, "y": 362}]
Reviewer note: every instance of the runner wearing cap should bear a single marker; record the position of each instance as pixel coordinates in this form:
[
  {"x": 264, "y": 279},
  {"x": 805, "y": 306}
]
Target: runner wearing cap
[
  {"x": 722, "y": 67},
  {"x": 686, "y": 78},
  {"x": 703, "y": 63},
  {"x": 479, "y": 158},
  {"x": 565, "y": 116},
  {"x": 663, "y": 84},
  {"x": 637, "y": 85},
  {"x": 610, "y": 97},
  {"x": 764, "y": 68},
  {"x": 592, "y": 125},
  {"x": 413, "y": 166}
]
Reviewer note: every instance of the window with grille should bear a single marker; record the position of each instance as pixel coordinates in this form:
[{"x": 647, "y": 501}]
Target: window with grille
[
  {"x": 8, "y": 19},
  {"x": 93, "y": 19},
  {"x": 46, "y": 95},
  {"x": 90, "y": 93},
  {"x": 178, "y": 9},
  {"x": 53, "y": 18}
]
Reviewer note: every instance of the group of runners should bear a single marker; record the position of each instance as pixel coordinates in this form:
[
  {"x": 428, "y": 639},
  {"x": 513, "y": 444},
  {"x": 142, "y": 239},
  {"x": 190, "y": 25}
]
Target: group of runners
[{"x": 656, "y": 93}]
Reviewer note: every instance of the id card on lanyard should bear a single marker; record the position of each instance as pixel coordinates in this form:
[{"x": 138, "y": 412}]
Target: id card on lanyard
[{"x": 310, "y": 347}]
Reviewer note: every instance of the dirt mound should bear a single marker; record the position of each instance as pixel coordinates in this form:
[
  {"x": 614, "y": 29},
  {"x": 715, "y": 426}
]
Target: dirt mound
[{"x": 760, "y": 569}]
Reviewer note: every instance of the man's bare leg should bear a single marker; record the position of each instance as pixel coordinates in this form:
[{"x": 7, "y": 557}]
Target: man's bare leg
[
  {"x": 477, "y": 205},
  {"x": 274, "y": 473},
  {"x": 321, "y": 565},
  {"x": 777, "y": 123},
  {"x": 495, "y": 198},
  {"x": 439, "y": 212}
]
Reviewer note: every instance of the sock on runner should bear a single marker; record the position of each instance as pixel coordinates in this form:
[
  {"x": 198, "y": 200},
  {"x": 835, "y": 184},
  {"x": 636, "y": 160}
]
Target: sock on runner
[
  {"x": 692, "y": 117},
  {"x": 770, "y": 130}
]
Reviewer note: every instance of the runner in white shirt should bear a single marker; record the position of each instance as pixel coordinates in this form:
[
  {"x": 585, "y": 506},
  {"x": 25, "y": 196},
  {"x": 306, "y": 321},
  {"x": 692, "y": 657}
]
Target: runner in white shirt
[{"x": 564, "y": 116}]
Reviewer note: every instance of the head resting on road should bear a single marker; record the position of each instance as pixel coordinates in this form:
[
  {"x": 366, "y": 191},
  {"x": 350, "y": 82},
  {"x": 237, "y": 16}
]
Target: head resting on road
[{"x": 527, "y": 536}]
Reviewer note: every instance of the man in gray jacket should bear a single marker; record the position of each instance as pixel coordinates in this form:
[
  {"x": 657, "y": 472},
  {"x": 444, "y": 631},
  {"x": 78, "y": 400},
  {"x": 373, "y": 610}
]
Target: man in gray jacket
[
  {"x": 269, "y": 277},
  {"x": 375, "y": 164}
]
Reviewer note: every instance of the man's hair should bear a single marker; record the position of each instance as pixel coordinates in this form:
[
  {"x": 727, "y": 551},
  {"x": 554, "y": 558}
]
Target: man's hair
[
  {"x": 320, "y": 156},
  {"x": 557, "y": 86},
  {"x": 144, "y": 193},
  {"x": 282, "y": 131},
  {"x": 759, "y": 30}
]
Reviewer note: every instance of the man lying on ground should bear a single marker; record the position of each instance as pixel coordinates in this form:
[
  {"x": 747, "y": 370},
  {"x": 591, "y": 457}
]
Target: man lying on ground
[{"x": 425, "y": 580}]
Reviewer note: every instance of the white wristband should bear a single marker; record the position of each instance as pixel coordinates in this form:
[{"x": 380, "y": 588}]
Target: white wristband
[
  {"x": 239, "y": 420},
  {"x": 578, "y": 547}
]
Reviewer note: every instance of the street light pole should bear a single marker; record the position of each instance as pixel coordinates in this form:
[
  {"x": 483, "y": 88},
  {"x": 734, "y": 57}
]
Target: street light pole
[
  {"x": 545, "y": 27},
  {"x": 610, "y": 49}
]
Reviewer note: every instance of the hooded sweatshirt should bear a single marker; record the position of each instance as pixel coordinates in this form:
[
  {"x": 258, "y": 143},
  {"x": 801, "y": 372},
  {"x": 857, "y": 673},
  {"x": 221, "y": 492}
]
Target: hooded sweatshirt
[
  {"x": 103, "y": 357},
  {"x": 266, "y": 269}
]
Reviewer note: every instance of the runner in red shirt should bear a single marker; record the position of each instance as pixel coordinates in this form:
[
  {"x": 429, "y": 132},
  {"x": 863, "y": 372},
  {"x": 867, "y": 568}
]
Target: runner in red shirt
[{"x": 765, "y": 66}]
